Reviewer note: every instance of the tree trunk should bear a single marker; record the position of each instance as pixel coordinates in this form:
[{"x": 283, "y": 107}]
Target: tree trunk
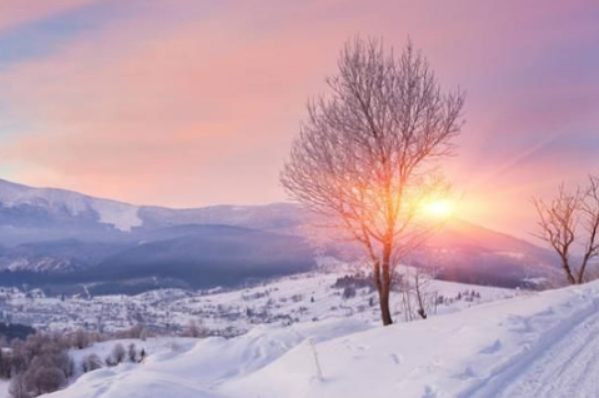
[
  {"x": 583, "y": 266},
  {"x": 382, "y": 281},
  {"x": 386, "y": 285},
  {"x": 385, "y": 310},
  {"x": 383, "y": 289},
  {"x": 568, "y": 271}
]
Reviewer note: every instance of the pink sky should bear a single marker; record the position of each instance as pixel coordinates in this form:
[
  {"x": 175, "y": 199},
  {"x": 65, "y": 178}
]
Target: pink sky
[{"x": 185, "y": 103}]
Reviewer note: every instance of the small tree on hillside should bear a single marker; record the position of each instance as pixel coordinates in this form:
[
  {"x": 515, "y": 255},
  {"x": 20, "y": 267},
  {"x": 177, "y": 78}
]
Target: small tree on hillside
[
  {"x": 91, "y": 362},
  {"x": 18, "y": 387},
  {"x": 419, "y": 298},
  {"x": 118, "y": 353},
  {"x": 44, "y": 379},
  {"x": 569, "y": 223},
  {"x": 5, "y": 364},
  {"x": 195, "y": 329},
  {"x": 132, "y": 352},
  {"x": 367, "y": 154},
  {"x": 81, "y": 339}
]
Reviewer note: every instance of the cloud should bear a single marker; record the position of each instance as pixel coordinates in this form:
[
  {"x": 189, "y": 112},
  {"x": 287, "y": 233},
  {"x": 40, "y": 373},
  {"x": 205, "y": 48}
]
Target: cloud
[
  {"x": 66, "y": 22},
  {"x": 182, "y": 103}
]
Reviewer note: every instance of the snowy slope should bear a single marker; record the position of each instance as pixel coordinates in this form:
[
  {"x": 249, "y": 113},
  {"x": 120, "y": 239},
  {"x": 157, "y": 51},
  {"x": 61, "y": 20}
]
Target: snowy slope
[
  {"x": 212, "y": 361},
  {"x": 475, "y": 353},
  {"x": 4, "y": 389},
  {"x": 566, "y": 367}
]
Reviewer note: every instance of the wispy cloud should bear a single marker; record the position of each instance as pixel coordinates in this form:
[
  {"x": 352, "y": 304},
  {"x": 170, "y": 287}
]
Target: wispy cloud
[{"x": 41, "y": 36}]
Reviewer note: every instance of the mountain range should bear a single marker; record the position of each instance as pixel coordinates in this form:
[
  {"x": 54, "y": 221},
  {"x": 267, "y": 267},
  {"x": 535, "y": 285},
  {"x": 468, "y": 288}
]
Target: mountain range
[{"x": 65, "y": 241}]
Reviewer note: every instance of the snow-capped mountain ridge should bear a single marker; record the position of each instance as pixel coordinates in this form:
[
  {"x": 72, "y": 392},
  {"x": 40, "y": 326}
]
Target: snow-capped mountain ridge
[
  {"x": 121, "y": 216},
  {"x": 126, "y": 217},
  {"x": 75, "y": 232}
]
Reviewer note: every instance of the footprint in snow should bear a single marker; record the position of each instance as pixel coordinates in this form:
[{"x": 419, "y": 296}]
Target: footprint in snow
[
  {"x": 396, "y": 359},
  {"x": 468, "y": 373},
  {"x": 352, "y": 347},
  {"x": 430, "y": 392},
  {"x": 493, "y": 348},
  {"x": 548, "y": 312}
]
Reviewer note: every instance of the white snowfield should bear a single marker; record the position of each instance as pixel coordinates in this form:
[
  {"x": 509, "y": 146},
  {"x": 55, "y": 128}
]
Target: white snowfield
[
  {"x": 541, "y": 345},
  {"x": 4, "y": 389}
]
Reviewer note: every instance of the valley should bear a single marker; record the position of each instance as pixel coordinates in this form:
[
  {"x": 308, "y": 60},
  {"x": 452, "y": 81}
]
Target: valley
[{"x": 301, "y": 298}]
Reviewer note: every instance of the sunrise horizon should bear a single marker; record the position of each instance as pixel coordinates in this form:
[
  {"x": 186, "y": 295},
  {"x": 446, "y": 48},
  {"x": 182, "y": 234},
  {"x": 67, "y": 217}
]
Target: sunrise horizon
[{"x": 171, "y": 135}]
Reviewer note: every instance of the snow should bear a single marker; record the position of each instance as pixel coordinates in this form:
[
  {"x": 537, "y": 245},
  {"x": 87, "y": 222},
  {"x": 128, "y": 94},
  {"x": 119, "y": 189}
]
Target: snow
[
  {"x": 151, "y": 346},
  {"x": 212, "y": 360},
  {"x": 122, "y": 216},
  {"x": 513, "y": 348},
  {"x": 299, "y": 298},
  {"x": 4, "y": 389},
  {"x": 567, "y": 367}
]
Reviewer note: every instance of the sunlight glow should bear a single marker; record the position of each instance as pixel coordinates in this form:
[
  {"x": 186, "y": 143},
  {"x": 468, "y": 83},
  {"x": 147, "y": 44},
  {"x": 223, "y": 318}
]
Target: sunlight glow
[{"x": 439, "y": 208}]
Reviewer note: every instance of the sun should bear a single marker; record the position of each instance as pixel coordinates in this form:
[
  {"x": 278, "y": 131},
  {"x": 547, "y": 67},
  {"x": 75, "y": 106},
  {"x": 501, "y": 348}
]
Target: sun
[{"x": 441, "y": 209}]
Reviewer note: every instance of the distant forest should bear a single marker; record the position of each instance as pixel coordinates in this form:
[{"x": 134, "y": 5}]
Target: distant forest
[{"x": 15, "y": 331}]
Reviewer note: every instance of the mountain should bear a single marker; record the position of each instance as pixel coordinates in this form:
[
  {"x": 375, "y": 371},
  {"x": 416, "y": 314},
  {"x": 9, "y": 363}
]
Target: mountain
[
  {"x": 62, "y": 238},
  {"x": 204, "y": 256},
  {"x": 281, "y": 217},
  {"x": 469, "y": 253},
  {"x": 33, "y": 214},
  {"x": 60, "y": 256},
  {"x": 40, "y": 214}
]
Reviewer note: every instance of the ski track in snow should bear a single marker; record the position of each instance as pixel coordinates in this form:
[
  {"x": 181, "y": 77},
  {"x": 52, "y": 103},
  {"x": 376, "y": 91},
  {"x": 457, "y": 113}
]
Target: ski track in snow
[{"x": 564, "y": 366}]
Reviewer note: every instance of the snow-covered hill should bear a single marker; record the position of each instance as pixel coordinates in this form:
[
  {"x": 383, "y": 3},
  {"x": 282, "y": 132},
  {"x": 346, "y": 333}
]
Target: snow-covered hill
[
  {"x": 4, "y": 385},
  {"x": 499, "y": 349}
]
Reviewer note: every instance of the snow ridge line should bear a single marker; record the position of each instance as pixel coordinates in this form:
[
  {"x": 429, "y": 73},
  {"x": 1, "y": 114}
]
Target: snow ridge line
[{"x": 494, "y": 383}]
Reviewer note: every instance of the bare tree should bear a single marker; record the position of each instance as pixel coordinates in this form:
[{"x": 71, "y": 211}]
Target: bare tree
[
  {"x": 81, "y": 339},
  {"x": 570, "y": 222},
  {"x": 44, "y": 379},
  {"x": 64, "y": 362},
  {"x": 419, "y": 299},
  {"x": 368, "y": 154},
  {"x": 18, "y": 387},
  {"x": 5, "y": 364},
  {"x": 91, "y": 362},
  {"x": 20, "y": 356},
  {"x": 195, "y": 329},
  {"x": 118, "y": 353},
  {"x": 132, "y": 352}
]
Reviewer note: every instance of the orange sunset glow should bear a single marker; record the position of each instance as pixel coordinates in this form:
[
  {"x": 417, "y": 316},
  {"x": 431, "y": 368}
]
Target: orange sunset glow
[{"x": 190, "y": 103}]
